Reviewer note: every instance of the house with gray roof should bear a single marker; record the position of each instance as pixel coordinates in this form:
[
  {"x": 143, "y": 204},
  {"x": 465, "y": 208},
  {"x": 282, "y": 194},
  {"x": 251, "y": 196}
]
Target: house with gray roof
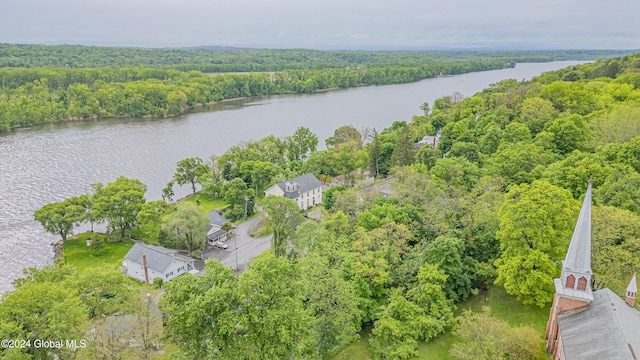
[
  {"x": 585, "y": 323},
  {"x": 215, "y": 232},
  {"x": 216, "y": 218},
  {"x": 147, "y": 262},
  {"x": 305, "y": 190}
]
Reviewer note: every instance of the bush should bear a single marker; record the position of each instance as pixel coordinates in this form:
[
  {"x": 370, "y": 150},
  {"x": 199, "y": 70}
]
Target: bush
[
  {"x": 158, "y": 282},
  {"x": 97, "y": 243}
]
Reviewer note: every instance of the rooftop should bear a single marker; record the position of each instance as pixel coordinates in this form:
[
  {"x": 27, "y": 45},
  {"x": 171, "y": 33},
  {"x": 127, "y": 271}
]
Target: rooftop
[
  {"x": 158, "y": 257},
  {"x": 216, "y": 218},
  {"x": 607, "y": 328},
  {"x": 579, "y": 254},
  {"x": 306, "y": 182}
]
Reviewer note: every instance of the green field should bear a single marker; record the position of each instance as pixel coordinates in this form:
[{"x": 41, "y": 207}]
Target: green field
[
  {"x": 502, "y": 305},
  {"x": 78, "y": 254},
  {"x": 205, "y": 203}
]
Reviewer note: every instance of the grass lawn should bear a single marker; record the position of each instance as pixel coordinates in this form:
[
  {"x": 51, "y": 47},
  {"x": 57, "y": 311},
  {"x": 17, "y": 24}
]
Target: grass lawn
[
  {"x": 502, "y": 306},
  {"x": 205, "y": 203},
  {"x": 78, "y": 254}
]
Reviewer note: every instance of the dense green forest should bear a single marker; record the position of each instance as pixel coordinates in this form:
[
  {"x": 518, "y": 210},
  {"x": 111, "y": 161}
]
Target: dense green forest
[
  {"x": 41, "y": 95},
  {"x": 227, "y": 59},
  {"x": 42, "y": 84},
  {"x": 494, "y": 204}
]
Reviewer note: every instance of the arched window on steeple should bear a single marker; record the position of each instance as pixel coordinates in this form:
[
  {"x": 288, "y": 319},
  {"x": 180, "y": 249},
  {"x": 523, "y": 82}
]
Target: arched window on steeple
[
  {"x": 582, "y": 283},
  {"x": 571, "y": 281}
]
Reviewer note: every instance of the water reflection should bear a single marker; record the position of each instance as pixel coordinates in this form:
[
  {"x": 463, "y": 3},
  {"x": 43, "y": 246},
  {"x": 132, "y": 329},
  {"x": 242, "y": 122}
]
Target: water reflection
[{"x": 55, "y": 161}]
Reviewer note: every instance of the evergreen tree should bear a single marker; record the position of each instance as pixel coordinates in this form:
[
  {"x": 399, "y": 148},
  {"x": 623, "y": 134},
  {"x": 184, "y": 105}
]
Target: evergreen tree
[
  {"x": 374, "y": 154},
  {"x": 404, "y": 149}
]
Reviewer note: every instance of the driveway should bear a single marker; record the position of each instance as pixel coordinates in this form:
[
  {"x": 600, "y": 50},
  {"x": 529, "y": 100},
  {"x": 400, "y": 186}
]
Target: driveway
[{"x": 247, "y": 247}]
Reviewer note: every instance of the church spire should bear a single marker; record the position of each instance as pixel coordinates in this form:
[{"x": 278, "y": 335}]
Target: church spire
[
  {"x": 632, "y": 291},
  {"x": 579, "y": 254},
  {"x": 575, "y": 281}
]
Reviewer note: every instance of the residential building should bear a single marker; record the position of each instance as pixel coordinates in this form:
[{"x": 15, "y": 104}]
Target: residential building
[
  {"x": 305, "y": 190},
  {"x": 147, "y": 262},
  {"x": 215, "y": 231}
]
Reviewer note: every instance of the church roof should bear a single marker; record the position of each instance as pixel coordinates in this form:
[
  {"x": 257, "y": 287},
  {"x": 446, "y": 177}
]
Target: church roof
[
  {"x": 633, "y": 287},
  {"x": 606, "y": 329},
  {"x": 579, "y": 254}
]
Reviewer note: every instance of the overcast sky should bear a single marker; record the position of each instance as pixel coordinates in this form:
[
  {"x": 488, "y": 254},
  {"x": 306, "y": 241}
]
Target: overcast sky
[{"x": 326, "y": 24}]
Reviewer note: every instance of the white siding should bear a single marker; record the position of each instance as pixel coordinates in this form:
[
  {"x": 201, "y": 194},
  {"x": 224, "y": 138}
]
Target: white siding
[
  {"x": 304, "y": 200},
  {"x": 310, "y": 198},
  {"x": 136, "y": 271},
  {"x": 274, "y": 190}
]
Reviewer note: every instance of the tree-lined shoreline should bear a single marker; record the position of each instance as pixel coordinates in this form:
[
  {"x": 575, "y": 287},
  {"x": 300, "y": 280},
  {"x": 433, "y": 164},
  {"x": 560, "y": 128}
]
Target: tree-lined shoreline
[
  {"x": 492, "y": 205},
  {"x": 70, "y": 82}
]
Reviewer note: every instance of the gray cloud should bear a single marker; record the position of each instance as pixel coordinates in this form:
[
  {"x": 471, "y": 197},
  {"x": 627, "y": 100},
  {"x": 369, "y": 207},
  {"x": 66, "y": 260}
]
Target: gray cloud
[{"x": 325, "y": 24}]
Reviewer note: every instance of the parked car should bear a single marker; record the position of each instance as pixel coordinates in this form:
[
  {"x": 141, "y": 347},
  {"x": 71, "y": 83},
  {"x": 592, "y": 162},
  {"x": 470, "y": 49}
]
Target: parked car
[{"x": 220, "y": 244}]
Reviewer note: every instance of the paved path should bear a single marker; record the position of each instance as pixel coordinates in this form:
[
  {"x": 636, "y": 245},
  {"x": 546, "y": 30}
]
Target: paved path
[
  {"x": 384, "y": 187},
  {"x": 248, "y": 247}
]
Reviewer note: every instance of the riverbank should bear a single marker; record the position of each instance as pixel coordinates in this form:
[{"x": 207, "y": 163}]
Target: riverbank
[
  {"x": 50, "y": 163},
  {"x": 44, "y": 95}
]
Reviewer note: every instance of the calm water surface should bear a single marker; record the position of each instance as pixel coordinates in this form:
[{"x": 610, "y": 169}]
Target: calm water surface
[{"x": 50, "y": 163}]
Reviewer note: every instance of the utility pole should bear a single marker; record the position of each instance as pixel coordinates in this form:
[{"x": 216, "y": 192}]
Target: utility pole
[
  {"x": 235, "y": 243},
  {"x": 235, "y": 236}
]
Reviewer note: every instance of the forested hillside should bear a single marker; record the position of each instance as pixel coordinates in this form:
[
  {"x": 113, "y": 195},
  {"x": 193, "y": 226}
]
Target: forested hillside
[
  {"x": 43, "y": 84},
  {"x": 228, "y": 59},
  {"x": 493, "y": 205}
]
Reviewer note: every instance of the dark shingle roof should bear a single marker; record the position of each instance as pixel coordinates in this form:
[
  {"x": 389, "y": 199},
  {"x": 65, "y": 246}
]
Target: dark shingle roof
[
  {"x": 158, "y": 258},
  {"x": 216, "y": 234},
  {"x": 607, "y": 328},
  {"x": 307, "y": 182},
  {"x": 216, "y": 219}
]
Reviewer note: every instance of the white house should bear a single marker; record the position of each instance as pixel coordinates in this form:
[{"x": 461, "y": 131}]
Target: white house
[
  {"x": 215, "y": 232},
  {"x": 147, "y": 262},
  {"x": 429, "y": 140},
  {"x": 306, "y": 190}
]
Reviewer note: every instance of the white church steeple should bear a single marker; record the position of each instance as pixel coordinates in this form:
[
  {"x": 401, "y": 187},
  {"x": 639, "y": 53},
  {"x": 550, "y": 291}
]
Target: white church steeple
[
  {"x": 575, "y": 281},
  {"x": 632, "y": 291}
]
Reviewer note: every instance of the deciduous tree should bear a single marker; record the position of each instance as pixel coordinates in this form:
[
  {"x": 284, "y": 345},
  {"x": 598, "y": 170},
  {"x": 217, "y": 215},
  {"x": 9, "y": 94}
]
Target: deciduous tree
[
  {"x": 272, "y": 320},
  {"x": 190, "y": 224},
  {"x": 332, "y": 303},
  {"x": 59, "y": 218},
  {"x": 189, "y": 171},
  {"x": 301, "y": 144},
  {"x": 201, "y": 313},
  {"x": 281, "y": 215},
  {"x": 241, "y": 200},
  {"x": 536, "y": 223},
  {"x": 119, "y": 203},
  {"x": 485, "y": 337}
]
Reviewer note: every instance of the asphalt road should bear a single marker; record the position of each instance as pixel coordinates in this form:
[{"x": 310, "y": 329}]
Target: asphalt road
[{"x": 248, "y": 247}]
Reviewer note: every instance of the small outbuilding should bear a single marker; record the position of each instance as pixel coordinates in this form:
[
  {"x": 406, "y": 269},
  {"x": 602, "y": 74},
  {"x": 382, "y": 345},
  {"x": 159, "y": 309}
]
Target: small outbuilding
[{"x": 215, "y": 232}]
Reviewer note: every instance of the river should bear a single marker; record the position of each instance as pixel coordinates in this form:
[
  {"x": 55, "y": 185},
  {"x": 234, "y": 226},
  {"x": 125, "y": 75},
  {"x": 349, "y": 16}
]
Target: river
[{"x": 52, "y": 162}]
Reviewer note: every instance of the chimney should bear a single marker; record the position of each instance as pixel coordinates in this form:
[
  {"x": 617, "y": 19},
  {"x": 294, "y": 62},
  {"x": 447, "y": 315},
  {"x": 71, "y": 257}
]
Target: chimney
[
  {"x": 298, "y": 188},
  {"x": 632, "y": 291},
  {"x": 144, "y": 266},
  {"x": 434, "y": 141}
]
